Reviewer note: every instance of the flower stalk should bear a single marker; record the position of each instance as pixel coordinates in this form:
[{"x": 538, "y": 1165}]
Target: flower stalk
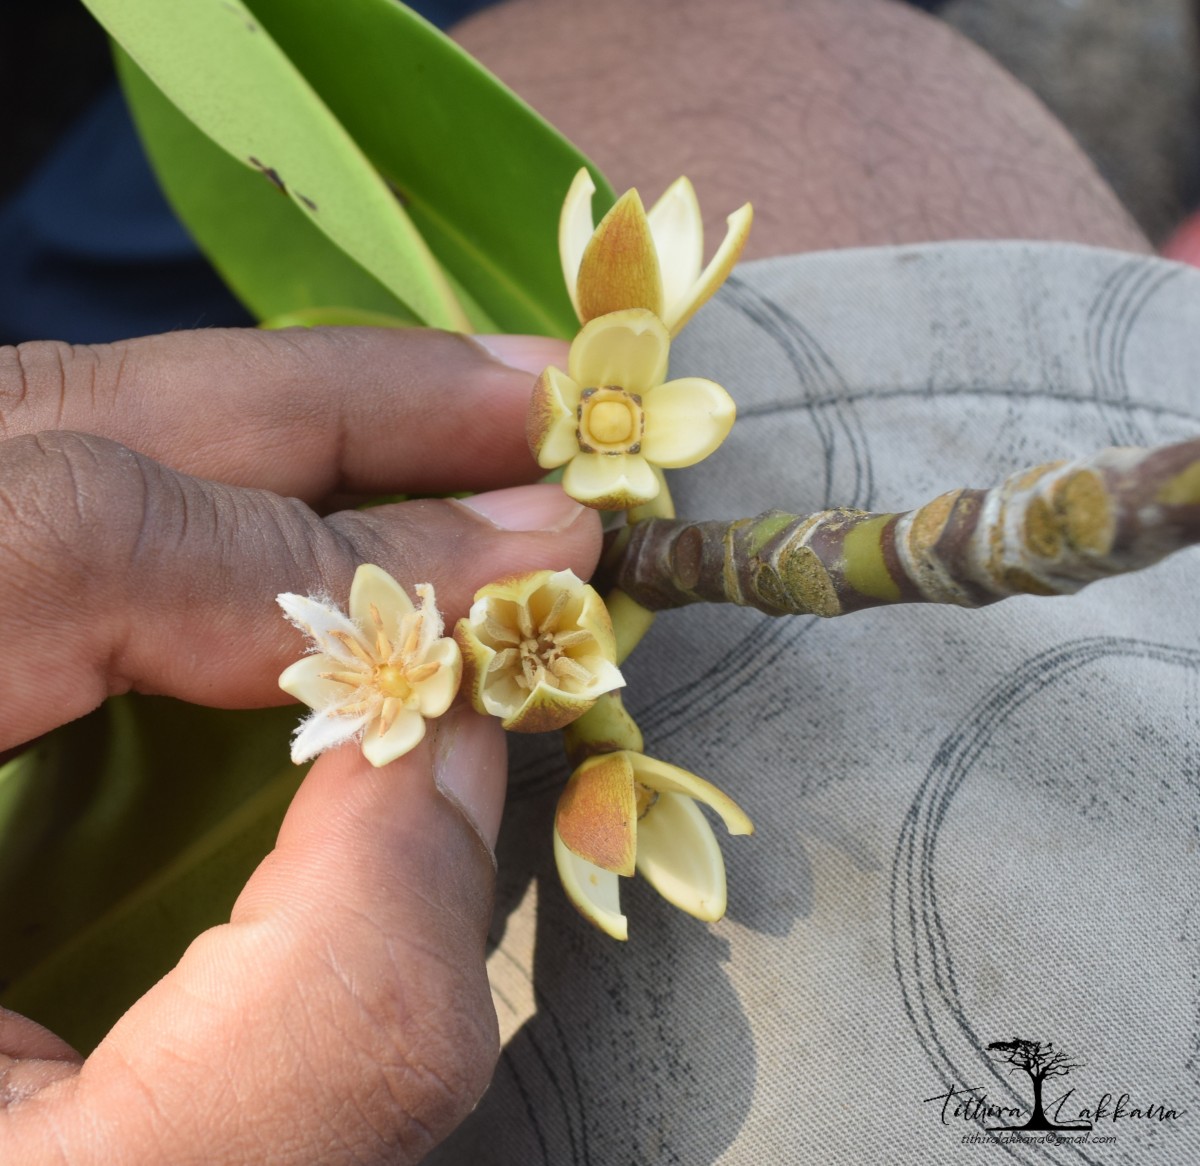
[
  {"x": 1049, "y": 530},
  {"x": 606, "y": 727}
]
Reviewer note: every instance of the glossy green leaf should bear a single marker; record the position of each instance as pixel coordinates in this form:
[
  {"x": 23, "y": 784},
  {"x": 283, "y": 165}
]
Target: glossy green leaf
[
  {"x": 480, "y": 173},
  {"x": 219, "y": 65},
  {"x": 265, "y": 248},
  {"x": 81, "y": 989}
]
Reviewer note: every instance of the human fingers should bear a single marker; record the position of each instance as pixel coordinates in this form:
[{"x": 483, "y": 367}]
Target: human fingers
[
  {"x": 123, "y": 574},
  {"x": 343, "y": 1015},
  {"x": 303, "y": 412}
]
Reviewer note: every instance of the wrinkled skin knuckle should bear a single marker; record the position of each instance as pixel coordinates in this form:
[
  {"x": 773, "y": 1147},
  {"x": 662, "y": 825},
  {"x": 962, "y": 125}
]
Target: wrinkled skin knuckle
[
  {"x": 425, "y": 531},
  {"x": 68, "y": 502},
  {"x": 41, "y": 380},
  {"x": 31, "y": 373}
]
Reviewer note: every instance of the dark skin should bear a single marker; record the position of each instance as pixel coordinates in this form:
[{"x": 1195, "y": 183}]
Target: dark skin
[
  {"x": 156, "y": 495},
  {"x": 345, "y": 1005}
]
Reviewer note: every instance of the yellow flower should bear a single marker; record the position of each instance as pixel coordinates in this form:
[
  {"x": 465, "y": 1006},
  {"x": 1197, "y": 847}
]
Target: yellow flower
[
  {"x": 639, "y": 260},
  {"x": 610, "y": 417},
  {"x": 375, "y": 675},
  {"x": 624, "y": 811},
  {"x": 539, "y": 650}
]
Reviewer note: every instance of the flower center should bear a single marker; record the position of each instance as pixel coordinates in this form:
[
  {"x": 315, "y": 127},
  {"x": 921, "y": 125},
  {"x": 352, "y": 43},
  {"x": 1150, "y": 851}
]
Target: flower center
[
  {"x": 544, "y": 659},
  {"x": 540, "y": 652},
  {"x": 610, "y": 420},
  {"x": 392, "y": 680}
]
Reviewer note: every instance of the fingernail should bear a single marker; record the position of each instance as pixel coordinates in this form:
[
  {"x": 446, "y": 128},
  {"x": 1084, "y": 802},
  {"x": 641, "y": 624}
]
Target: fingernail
[
  {"x": 528, "y": 353},
  {"x": 470, "y": 767},
  {"x": 541, "y": 507}
]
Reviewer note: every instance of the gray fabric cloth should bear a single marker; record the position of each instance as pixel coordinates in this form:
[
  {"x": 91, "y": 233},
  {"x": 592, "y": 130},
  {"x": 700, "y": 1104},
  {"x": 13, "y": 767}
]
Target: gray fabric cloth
[{"x": 971, "y": 825}]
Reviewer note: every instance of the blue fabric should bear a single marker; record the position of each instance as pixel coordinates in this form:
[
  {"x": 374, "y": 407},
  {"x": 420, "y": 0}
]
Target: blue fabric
[{"x": 93, "y": 252}]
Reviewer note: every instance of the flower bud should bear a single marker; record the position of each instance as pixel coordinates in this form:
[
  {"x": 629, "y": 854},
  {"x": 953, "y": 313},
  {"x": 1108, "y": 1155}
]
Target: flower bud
[{"x": 624, "y": 811}]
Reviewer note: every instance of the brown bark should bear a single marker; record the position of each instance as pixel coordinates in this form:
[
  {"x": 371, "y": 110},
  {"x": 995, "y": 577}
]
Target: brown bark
[{"x": 1049, "y": 530}]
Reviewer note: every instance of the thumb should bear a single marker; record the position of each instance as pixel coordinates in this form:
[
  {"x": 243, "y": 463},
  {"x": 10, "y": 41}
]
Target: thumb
[{"x": 345, "y": 1008}]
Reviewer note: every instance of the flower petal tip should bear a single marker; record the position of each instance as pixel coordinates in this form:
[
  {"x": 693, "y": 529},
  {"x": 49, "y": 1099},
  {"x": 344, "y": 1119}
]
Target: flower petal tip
[
  {"x": 593, "y": 891},
  {"x": 619, "y": 268}
]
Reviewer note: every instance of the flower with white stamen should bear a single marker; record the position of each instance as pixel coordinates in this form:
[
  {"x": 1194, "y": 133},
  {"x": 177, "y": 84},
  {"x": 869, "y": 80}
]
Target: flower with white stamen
[{"x": 375, "y": 675}]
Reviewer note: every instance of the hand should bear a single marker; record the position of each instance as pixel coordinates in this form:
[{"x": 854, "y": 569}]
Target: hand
[{"x": 155, "y": 496}]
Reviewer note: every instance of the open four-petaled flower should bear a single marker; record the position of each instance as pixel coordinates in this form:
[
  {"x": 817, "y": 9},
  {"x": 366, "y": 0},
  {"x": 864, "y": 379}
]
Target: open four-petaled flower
[
  {"x": 624, "y": 812},
  {"x": 378, "y": 673},
  {"x": 610, "y": 418},
  {"x": 639, "y": 260},
  {"x": 538, "y": 649}
]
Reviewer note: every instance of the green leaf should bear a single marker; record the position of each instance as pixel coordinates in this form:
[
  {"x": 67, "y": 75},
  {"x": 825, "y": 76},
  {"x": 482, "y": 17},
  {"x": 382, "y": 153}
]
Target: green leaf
[
  {"x": 263, "y": 245},
  {"x": 218, "y": 64},
  {"x": 333, "y": 317},
  {"x": 480, "y": 173},
  {"x": 123, "y": 836}
]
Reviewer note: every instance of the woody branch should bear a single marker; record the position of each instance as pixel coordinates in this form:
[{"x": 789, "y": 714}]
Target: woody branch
[{"x": 1049, "y": 530}]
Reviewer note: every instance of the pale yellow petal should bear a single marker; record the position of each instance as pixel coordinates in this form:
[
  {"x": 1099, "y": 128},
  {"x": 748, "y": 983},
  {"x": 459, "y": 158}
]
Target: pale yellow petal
[
  {"x": 594, "y": 617},
  {"x": 476, "y": 658},
  {"x": 403, "y": 735},
  {"x": 661, "y": 506},
  {"x": 552, "y": 423},
  {"x": 686, "y": 420},
  {"x": 666, "y": 778},
  {"x": 304, "y": 681},
  {"x": 553, "y": 585},
  {"x": 610, "y": 481},
  {"x": 606, "y": 675},
  {"x": 597, "y": 813},
  {"x": 511, "y": 589},
  {"x": 556, "y": 604},
  {"x": 374, "y": 586},
  {"x": 619, "y": 268},
  {"x": 435, "y": 694},
  {"x": 678, "y": 231},
  {"x": 594, "y": 892},
  {"x": 716, "y": 272},
  {"x": 678, "y": 855},
  {"x": 627, "y": 349},
  {"x": 575, "y": 227}
]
